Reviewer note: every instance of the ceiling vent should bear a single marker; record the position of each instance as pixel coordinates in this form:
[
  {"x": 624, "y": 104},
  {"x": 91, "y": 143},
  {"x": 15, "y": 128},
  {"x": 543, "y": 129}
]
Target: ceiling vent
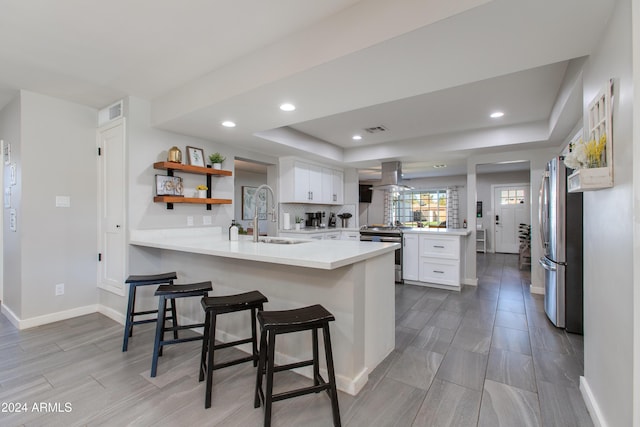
[
  {"x": 375, "y": 129},
  {"x": 110, "y": 113}
]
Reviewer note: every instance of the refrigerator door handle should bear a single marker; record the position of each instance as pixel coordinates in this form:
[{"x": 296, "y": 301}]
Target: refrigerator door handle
[
  {"x": 542, "y": 210},
  {"x": 547, "y": 265}
]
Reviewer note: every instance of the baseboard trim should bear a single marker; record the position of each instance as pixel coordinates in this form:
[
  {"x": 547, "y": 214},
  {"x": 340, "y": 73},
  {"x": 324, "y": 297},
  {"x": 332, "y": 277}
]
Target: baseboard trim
[
  {"x": 111, "y": 313},
  {"x": 32, "y": 322},
  {"x": 536, "y": 290},
  {"x": 470, "y": 282},
  {"x": 592, "y": 404}
]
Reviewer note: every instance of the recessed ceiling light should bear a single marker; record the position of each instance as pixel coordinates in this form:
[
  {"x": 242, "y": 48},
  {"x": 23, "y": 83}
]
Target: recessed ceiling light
[
  {"x": 356, "y": 137},
  {"x": 228, "y": 124},
  {"x": 440, "y": 166},
  {"x": 496, "y": 115},
  {"x": 287, "y": 107}
]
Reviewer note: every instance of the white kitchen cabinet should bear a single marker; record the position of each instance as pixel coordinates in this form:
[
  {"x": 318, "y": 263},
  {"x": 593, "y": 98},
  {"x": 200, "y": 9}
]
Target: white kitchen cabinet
[
  {"x": 304, "y": 182},
  {"x": 410, "y": 257},
  {"x": 350, "y": 235},
  {"x": 337, "y": 195},
  {"x": 307, "y": 184},
  {"x": 433, "y": 259},
  {"x": 440, "y": 260}
]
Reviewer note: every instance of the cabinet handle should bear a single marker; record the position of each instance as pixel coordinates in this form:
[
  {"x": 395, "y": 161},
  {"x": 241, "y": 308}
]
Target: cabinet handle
[
  {"x": 310, "y": 195},
  {"x": 438, "y": 271},
  {"x": 438, "y": 246}
]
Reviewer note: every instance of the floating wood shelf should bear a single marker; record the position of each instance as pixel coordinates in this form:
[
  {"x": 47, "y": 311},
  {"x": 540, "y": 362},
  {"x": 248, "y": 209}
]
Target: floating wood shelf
[
  {"x": 170, "y": 167},
  {"x": 190, "y": 169},
  {"x": 195, "y": 200}
]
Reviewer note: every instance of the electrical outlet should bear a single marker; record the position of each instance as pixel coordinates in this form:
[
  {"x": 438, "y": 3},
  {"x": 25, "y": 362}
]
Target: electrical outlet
[
  {"x": 190, "y": 221},
  {"x": 206, "y": 220},
  {"x": 60, "y": 289}
]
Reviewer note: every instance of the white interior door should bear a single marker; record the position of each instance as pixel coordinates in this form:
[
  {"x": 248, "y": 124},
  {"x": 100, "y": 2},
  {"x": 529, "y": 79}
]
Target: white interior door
[
  {"x": 511, "y": 209},
  {"x": 111, "y": 207}
]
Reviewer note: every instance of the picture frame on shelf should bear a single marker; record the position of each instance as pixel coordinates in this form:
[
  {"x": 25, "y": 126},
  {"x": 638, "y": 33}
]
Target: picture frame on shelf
[
  {"x": 169, "y": 186},
  {"x": 195, "y": 156},
  {"x": 248, "y": 203}
]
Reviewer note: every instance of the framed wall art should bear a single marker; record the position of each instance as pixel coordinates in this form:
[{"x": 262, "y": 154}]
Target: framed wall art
[
  {"x": 249, "y": 200},
  {"x": 169, "y": 185},
  {"x": 195, "y": 156}
]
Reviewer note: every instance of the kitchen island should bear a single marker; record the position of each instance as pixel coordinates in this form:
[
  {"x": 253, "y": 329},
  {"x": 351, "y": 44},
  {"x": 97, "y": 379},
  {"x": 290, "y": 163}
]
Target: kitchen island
[
  {"x": 353, "y": 280},
  {"x": 434, "y": 257}
]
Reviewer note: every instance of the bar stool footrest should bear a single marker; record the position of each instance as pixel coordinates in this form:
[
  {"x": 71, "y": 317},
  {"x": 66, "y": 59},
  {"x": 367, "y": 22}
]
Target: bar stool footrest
[
  {"x": 292, "y": 366},
  {"x": 299, "y": 392}
]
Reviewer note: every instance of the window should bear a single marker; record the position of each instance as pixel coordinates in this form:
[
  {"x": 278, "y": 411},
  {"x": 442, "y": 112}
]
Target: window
[
  {"x": 511, "y": 196},
  {"x": 426, "y": 206}
]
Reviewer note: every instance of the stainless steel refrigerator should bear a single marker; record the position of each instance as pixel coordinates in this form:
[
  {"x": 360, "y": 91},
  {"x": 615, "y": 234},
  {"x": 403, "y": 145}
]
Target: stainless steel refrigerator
[{"x": 561, "y": 236}]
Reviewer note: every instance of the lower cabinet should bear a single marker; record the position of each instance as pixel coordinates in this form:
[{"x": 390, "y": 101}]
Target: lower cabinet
[
  {"x": 432, "y": 260},
  {"x": 350, "y": 235},
  {"x": 410, "y": 257}
]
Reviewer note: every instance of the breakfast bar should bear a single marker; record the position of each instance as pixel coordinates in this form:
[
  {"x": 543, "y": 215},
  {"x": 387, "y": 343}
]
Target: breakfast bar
[{"x": 351, "y": 279}]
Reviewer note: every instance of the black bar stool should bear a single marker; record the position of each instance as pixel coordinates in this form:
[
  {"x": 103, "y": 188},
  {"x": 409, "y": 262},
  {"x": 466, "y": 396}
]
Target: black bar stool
[
  {"x": 213, "y": 306},
  {"x": 273, "y": 323},
  {"x": 165, "y": 292},
  {"x": 145, "y": 280}
]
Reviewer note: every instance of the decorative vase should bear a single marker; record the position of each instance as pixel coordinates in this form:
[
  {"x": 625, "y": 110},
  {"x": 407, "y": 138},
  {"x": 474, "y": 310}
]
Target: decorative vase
[
  {"x": 202, "y": 194},
  {"x": 297, "y": 226},
  {"x": 217, "y": 165},
  {"x": 175, "y": 155}
]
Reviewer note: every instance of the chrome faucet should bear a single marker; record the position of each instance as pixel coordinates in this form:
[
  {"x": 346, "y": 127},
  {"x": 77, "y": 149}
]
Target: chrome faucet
[{"x": 273, "y": 209}]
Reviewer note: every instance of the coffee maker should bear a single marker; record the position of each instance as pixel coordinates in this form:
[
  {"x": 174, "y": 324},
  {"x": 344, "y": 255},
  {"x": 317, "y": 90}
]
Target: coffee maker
[
  {"x": 313, "y": 219},
  {"x": 332, "y": 220}
]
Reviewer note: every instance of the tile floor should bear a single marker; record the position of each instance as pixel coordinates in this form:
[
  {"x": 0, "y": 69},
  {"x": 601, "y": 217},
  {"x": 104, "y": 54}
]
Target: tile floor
[{"x": 486, "y": 356}]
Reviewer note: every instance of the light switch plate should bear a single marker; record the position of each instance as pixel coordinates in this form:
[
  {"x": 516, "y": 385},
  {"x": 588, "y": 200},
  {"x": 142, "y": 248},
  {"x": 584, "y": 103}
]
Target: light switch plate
[
  {"x": 206, "y": 220},
  {"x": 63, "y": 201},
  {"x": 190, "y": 221}
]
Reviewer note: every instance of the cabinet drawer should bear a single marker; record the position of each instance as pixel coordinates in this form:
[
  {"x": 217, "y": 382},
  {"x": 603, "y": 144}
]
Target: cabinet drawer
[
  {"x": 440, "y": 247},
  {"x": 441, "y": 271}
]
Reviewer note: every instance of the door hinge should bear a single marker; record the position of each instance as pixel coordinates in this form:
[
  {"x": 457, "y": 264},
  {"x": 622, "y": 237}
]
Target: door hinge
[
  {"x": 99, "y": 151},
  {"x": 99, "y": 257}
]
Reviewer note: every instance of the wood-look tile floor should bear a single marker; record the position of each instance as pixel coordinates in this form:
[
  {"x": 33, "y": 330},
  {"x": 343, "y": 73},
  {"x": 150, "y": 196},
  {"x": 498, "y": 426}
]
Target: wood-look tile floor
[{"x": 486, "y": 356}]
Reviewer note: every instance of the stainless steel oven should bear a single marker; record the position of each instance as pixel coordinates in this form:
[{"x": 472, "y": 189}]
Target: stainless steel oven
[{"x": 386, "y": 234}]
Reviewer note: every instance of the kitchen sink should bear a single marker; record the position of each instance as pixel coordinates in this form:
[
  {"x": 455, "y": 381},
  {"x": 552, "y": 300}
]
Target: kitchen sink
[{"x": 281, "y": 241}]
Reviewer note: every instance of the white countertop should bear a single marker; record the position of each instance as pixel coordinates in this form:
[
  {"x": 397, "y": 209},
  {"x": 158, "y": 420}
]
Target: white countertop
[
  {"x": 322, "y": 254},
  {"x": 441, "y": 231}
]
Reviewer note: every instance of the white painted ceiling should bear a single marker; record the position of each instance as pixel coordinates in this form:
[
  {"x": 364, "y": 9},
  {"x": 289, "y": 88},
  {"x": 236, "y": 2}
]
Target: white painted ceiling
[{"x": 429, "y": 71}]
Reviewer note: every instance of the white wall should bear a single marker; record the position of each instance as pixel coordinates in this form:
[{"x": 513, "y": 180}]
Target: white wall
[
  {"x": 55, "y": 154},
  {"x": 11, "y": 274},
  {"x": 608, "y": 239}
]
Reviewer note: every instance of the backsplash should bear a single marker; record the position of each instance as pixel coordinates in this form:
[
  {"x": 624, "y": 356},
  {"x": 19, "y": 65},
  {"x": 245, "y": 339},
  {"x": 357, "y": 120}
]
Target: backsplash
[{"x": 300, "y": 210}]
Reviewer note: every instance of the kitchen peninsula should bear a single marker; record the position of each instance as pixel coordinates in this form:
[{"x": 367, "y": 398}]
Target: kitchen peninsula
[{"x": 352, "y": 279}]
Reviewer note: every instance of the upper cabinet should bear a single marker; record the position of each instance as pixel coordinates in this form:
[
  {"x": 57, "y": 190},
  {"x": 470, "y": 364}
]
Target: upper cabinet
[{"x": 305, "y": 182}]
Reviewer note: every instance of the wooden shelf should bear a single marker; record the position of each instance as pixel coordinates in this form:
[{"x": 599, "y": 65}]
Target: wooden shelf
[
  {"x": 171, "y": 167},
  {"x": 589, "y": 179},
  {"x": 190, "y": 169},
  {"x": 194, "y": 200}
]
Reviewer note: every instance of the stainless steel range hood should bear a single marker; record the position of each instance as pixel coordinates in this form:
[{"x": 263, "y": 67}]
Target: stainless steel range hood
[{"x": 391, "y": 178}]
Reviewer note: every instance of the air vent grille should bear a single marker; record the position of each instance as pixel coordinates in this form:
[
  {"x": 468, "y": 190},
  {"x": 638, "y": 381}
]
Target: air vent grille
[{"x": 376, "y": 129}]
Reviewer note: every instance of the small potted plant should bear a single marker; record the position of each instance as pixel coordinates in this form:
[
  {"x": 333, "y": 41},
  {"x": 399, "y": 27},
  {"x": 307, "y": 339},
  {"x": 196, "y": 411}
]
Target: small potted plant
[
  {"x": 202, "y": 191},
  {"x": 216, "y": 160},
  {"x": 298, "y": 223}
]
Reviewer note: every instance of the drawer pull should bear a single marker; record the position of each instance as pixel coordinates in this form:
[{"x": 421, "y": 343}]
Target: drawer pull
[
  {"x": 438, "y": 271},
  {"x": 438, "y": 246}
]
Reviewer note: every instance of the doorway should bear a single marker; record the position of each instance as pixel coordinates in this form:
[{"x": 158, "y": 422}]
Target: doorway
[{"x": 511, "y": 208}]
